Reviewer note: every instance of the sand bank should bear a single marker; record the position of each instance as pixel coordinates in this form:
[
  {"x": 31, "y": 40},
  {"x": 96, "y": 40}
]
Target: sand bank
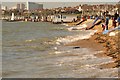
[{"x": 99, "y": 42}]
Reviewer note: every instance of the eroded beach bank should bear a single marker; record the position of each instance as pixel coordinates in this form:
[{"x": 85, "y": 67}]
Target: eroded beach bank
[
  {"x": 102, "y": 45},
  {"x": 98, "y": 42}
]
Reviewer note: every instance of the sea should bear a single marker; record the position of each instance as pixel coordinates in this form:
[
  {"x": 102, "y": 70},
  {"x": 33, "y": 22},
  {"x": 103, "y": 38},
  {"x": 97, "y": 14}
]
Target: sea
[{"x": 36, "y": 50}]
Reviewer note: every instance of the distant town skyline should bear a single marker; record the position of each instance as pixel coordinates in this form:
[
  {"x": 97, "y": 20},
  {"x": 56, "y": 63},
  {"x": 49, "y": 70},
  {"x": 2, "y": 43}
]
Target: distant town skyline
[{"x": 56, "y": 4}]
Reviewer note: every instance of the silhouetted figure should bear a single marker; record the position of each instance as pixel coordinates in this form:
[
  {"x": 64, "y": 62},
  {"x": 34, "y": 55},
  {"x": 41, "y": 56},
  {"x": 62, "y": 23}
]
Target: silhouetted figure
[
  {"x": 107, "y": 22},
  {"x": 114, "y": 23},
  {"x": 114, "y": 19},
  {"x": 118, "y": 20},
  {"x": 116, "y": 16}
]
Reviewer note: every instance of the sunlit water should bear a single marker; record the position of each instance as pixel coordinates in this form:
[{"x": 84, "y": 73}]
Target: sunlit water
[{"x": 29, "y": 50}]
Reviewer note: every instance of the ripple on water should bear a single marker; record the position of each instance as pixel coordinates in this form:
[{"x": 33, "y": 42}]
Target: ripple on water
[{"x": 34, "y": 54}]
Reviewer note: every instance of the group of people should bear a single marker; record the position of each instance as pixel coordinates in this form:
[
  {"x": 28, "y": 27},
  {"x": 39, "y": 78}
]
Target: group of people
[
  {"x": 115, "y": 20},
  {"x": 105, "y": 20}
]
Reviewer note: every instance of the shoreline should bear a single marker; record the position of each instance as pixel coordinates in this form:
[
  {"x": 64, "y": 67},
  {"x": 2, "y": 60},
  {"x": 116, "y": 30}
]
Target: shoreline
[
  {"x": 80, "y": 62},
  {"x": 96, "y": 45},
  {"x": 99, "y": 42}
]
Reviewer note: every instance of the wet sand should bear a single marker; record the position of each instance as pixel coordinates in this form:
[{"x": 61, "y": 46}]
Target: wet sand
[
  {"x": 87, "y": 43},
  {"x": 99, "y": 42}
]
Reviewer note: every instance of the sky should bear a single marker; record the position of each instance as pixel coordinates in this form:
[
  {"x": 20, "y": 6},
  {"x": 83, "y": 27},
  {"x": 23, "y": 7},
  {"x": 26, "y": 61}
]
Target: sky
[
  {"x": 61, "y": 0},
  {"x": 58, "y": 3}
]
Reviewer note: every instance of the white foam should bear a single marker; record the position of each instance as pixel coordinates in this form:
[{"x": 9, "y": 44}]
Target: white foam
[
  {"x": 57, "y": 52},
  {"x": 65, "y": 24},
  {"x": 69, "y": 39},
  {"x": 79, "y": 27}
]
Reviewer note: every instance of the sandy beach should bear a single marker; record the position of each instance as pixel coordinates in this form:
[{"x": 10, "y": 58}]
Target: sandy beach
[
  {"x": 60, "y": 39},
  {"x": 99, "y": 42}
]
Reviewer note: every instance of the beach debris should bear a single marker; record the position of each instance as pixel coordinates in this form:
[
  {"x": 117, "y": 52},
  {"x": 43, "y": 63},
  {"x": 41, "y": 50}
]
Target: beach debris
[{"x": 76, "y": 47}]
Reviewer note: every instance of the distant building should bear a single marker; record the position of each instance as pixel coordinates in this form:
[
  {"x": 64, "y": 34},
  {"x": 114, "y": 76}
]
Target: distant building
[
  {"x": 31, "y": 6},
  {"x": 20, "y": 6},
  {"x": 63, "y": 18}
]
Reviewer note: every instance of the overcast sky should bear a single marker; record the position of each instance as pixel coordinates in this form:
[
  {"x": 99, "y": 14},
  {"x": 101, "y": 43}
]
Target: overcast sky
[
  {"x": 58, "y": 3},
  {"x": 61, "y": 0}
]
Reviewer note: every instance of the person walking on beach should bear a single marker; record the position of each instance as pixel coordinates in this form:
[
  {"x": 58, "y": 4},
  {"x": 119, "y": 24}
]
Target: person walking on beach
[
  {"x": 114, "y": 23},
  {"x": 118, "y": 20},
  {"x": 114, "y": 19},
  {"x": 103, "y": 24},
  {"x": 116, "y": 15},
  {"x": 107, "y": 22}
]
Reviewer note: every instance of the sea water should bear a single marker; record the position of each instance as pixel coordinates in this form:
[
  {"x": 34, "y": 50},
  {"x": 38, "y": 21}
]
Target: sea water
[{"x": 36, "y": 50}]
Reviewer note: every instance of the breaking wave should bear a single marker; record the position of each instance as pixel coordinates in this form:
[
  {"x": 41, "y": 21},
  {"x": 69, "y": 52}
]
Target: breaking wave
[{"x": 77, "y": 37}]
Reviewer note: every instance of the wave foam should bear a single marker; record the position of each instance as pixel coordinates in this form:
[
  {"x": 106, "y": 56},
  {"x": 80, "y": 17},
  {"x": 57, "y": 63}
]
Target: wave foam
[{"x": 69, "y": 39}]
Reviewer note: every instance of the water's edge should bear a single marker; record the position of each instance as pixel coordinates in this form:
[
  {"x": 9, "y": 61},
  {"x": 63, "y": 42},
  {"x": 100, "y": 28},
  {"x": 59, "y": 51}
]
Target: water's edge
[{"x": 31, "y": 51}]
